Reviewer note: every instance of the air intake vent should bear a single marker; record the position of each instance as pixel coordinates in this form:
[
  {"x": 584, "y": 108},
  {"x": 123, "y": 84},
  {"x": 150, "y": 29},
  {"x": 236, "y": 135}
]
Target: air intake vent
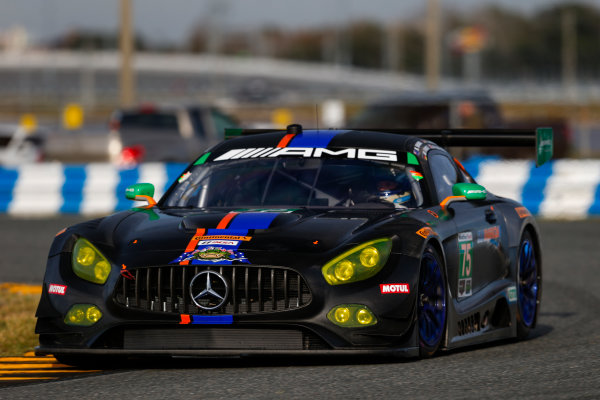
[{"x": 253, "y": 289}]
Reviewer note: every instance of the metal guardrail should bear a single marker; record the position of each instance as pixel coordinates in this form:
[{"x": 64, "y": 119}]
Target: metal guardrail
[{"x": 18, "y": 74}]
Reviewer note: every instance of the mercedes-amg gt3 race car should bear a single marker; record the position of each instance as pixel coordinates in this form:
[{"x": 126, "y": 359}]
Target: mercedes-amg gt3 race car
[{"x": 302, "y": 242}]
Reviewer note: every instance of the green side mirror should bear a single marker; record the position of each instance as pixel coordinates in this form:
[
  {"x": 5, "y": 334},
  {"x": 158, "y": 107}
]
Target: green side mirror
[
  {"x": 471, "y": 191},
  {"x": 141, "y": 191}
]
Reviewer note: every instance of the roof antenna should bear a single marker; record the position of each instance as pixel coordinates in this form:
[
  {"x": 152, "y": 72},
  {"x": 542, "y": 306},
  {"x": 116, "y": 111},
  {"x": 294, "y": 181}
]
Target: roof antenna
[{"x": 317, "y": 113}]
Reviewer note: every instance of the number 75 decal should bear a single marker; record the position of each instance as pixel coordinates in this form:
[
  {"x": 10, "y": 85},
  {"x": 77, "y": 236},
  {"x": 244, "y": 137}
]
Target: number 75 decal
[{"x": 465, "y": 252}]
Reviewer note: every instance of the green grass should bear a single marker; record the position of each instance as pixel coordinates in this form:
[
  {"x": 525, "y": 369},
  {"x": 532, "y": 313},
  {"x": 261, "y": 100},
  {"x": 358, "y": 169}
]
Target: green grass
[{"x": 17, "y": 319}]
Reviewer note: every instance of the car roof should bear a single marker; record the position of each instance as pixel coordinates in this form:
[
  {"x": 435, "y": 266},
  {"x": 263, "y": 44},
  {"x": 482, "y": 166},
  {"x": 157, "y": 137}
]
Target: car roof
[{"x": 323, "y": 138}]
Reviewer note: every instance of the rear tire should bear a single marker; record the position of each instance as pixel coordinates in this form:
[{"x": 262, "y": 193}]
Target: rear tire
[
  {"x": 431, "y": 303},
  {"x": 529, "y": 282}
]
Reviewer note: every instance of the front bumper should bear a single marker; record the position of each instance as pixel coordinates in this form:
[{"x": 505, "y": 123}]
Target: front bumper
[{"x": 305, "y": 330}]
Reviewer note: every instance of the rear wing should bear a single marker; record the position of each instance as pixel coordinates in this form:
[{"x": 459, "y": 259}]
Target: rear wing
[{"x": 541, "y": 138}]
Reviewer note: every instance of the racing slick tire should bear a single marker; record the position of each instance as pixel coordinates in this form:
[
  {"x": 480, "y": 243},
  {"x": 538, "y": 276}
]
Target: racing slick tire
[
  {"x": 431, "y": 303},
  {"x": 528, "y": 286}
]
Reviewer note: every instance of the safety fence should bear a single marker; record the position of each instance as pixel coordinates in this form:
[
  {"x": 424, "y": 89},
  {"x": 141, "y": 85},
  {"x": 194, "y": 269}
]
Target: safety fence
[{"x": 558, "y": 189}]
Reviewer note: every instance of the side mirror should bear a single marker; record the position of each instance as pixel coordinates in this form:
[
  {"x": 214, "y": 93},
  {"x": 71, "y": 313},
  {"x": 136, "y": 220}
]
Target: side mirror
[
  {"x": 141, "y": 192},
  {"x": 464, "y": 192},
  {"x": 471, "y": 191}
]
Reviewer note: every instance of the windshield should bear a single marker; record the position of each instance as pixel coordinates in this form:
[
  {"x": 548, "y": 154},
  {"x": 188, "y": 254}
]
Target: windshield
[{"x": 298, "y": 182}]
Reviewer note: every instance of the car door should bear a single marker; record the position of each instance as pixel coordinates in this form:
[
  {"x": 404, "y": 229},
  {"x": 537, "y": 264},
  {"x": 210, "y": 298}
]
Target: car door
[{"x": 476, "y": 253}]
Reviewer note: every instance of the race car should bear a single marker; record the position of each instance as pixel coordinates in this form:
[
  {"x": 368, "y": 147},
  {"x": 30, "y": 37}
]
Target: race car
[{"x": 301, "y": 242}]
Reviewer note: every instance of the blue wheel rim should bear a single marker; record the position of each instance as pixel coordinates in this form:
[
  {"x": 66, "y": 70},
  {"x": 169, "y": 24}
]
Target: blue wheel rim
[
  {"x": 528, "y": 283},
  {"x": 431, "y": 301}
]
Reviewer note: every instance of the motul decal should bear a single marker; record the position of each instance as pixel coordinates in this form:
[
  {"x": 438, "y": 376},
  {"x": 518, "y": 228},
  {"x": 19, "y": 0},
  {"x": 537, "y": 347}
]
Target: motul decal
[
  {"x": 390, "y": 288},
  {"x": 57, "y": 289}
]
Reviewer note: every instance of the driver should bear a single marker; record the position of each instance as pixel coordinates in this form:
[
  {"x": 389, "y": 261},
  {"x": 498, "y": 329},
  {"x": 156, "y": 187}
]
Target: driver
[{"x": 392, "y": 191}]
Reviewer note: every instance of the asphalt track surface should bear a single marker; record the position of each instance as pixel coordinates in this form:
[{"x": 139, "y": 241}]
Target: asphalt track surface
[{"x": 559, "y": 360}]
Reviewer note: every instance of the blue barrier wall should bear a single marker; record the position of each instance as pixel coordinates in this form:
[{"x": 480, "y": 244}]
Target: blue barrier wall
[{"x": 559, "y": 189}]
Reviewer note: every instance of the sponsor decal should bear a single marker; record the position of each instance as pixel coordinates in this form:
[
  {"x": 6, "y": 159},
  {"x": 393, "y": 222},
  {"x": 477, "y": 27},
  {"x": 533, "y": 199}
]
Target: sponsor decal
[
  {"x": 433, "y": 213},
  {"x": 471, "y": 324},
  {"x": 57, "y": 289},
  {"x": 213, "y": 255},
  {"x": 417, "y": 176},
  {"x": 309, "y": 152},
  {"x": 184, "y": 177},
  {"x": 489, "y": 235},
  {"x": 219, "y": 242},
  {"x": 464, "y": 236},
  {"x": 522, "y": 212},
  {"x": 425, "y": 232},
  {"x": 229, "y": 237},
  {"x": 417, "y": 148},
  {"x": 465, "y": 270},
  {"x": 387, "y": 288},
  {"x": 511, "y": 294}
]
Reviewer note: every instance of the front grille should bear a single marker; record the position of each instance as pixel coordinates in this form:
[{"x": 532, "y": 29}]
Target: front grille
[{"x": 253, "y": 289}]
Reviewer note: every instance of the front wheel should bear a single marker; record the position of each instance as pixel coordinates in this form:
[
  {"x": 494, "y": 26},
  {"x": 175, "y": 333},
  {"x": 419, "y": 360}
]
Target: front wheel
[
  {"x": 528, "y": 286},
  {"x": 431, "y": 303}
]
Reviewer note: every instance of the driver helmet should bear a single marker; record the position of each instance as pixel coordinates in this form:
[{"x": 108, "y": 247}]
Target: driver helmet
[{"x": 390, "y": 190}]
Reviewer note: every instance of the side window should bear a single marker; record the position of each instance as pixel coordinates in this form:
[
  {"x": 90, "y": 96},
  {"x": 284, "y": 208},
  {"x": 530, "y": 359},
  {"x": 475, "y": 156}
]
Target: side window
[{"x": 444, "y": 175}]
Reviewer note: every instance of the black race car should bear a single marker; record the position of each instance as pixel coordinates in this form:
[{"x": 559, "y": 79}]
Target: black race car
[{"x": 292, "y": 242}]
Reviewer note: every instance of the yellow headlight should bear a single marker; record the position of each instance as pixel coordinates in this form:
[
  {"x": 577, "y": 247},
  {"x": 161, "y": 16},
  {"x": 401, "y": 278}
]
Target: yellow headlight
[
  {"x": 369, "y": 257},
  {"x": 344, "y": 270},
  {"x": 364, "y": 317},
  {"x": 83, "y": 315},
  {"x": 88, "y": 263},
  {"x": 358, "y": 263},
  {"x": 342, "y": 314},
  {"x": 351, "y": 316},
  {"x": 86, "y": 255}
]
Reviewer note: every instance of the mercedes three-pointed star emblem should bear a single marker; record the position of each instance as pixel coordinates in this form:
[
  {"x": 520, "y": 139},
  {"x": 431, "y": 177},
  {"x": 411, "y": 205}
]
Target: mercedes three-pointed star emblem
[{"x": 211, "y": 292}]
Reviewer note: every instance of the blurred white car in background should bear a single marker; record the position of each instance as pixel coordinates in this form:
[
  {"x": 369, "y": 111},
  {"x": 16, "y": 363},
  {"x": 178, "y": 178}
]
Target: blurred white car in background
[{"x": 19, "y": 145}]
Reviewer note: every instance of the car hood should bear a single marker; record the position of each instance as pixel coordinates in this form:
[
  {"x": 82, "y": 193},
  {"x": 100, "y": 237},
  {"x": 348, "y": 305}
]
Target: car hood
[{"x": 155, "y": 237}]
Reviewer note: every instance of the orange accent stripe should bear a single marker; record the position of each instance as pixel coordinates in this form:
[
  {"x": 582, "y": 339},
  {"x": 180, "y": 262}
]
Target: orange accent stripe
[
  {"x": 193, "y": 243},
  {"x": 195, "y": 239},
  {"x": 448, "y": 199},
  {"x": 150, "y": 200},
  {"x": 185, "y": 319},
  {"x": 286, "y": 140},
  {"x": 226, "y": 220},
  {"x": 462, "y": 168}
]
